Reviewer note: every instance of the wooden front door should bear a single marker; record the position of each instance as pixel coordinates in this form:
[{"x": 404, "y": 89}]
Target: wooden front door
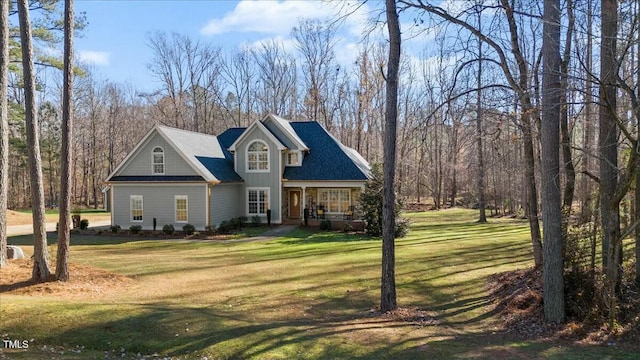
[{"x": 294, "y": 204}]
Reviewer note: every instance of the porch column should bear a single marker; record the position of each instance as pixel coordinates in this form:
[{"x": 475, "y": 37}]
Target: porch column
[{"x": 304, "y": 199}]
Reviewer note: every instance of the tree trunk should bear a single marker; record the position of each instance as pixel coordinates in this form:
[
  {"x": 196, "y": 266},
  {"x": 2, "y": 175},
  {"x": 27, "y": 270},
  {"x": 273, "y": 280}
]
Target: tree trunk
[
  {"x": 479, "y": 114},
  {"x": 570, "y": 172},
  {"x": 588, "y": 127},
  {"x": 609, "y": 208},
  {"x": 637, "y": 194},
  {"x": 552, "y": 272},
  {"x": 64, "y": 236},
  {"x": 638, "y": 171},
  {"x": 41, "y": 270},
  {"x": 637, "y": 229},
  {"x": 530, "y": 186},
  {"x": 388, "y": 286},
  {"x": 4, "y": 128}
]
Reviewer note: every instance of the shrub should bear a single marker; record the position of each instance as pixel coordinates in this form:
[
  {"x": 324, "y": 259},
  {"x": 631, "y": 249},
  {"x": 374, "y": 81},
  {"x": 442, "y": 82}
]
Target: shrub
[
  {"x": 242, "y": 221},
  {"x": 84, "y": 224},
  {"x": 168, "y": 229},
  {"x": 225, "y": 227},
  {"x": 256, "y": 220},
  {"x": 402, "y": 227},
  {"x": 115, "y": 229},
  {"x": 372, "y": 205},
  {"x": 325, "y": 225},
  {"x": 211, "y": 229},
  {"x": 235, "y": 223},
  {"x": 348, "y": 227},
  {"x": 135, "y": 229},
  {"x": 188, "y": 229}
]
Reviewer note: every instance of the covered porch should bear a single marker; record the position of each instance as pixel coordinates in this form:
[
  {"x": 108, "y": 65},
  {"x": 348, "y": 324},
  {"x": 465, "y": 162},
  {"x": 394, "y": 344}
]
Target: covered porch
[{"x": 335, "y": 201}]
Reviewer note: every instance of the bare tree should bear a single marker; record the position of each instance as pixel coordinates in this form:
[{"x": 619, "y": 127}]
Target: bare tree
[
  {"x": 510, "y": 58},
  {"x": 388, "y": 288},
  {"x": 4, "y": 127},
  {"x": 64, "y": 236},
  {"x": 315, "y": 42},
  {"x": 552, "y": 272},
  {"x": 239, "y": 74},
  {"x": 277, "y": 75},
  {"x": 479, "y": 131},
  {"x": 569, "y": 168},
  {"x": 41, "y": 271},
  {"x": 608, "y": 144}
]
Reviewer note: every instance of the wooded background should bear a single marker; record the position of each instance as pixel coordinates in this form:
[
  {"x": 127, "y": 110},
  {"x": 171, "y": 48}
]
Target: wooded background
[
  {"x": 460, "y": 118},
  {"x": 515, "y": 106}
]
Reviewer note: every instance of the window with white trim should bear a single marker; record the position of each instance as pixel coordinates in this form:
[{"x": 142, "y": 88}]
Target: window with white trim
[
  {"x": 158, "y": 160},
  {"x": 334, "y": 200},
  {"x": 182, "y": 208},
  {"x": 293, "y": 158},
  {"x": 258, "y": 156},
  {"x": 136, "y": 208},
  {"x": 257, "y": 201}
]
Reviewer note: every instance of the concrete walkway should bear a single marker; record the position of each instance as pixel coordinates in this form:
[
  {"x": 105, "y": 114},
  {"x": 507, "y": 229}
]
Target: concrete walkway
[
  {"x": 279, "y": 230},
  {"x": 28, "y": 229}
]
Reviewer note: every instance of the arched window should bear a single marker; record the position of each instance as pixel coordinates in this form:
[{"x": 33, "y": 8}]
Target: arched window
[
  {"x": 258, "y": 157},
  {"x": 157, "y": 157}
]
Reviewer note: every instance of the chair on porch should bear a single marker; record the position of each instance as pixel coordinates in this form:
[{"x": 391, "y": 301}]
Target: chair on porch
[
  {"x": 320, "y": 212},
  {"x": 348, "y": 215}
]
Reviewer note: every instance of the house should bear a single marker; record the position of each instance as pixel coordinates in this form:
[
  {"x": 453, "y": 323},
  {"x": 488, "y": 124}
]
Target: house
[{"x": 177, "y": 177}]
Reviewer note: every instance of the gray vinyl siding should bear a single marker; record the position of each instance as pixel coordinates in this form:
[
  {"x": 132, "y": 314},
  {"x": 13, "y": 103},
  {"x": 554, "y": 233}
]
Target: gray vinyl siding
[
  {"x": 159, "y": 203},
  {"x": 271, "y": 179},
  {"x": 226, "y": 202},
  {"x": 140, "y": 163}
]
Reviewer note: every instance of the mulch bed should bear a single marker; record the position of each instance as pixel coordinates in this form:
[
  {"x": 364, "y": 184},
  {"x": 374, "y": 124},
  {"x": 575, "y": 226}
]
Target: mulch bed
[{"x": 84, "y": 281}]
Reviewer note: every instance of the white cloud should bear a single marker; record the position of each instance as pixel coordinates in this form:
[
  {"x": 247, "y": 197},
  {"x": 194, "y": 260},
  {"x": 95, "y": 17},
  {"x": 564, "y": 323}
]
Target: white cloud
[
  {"x": 288, "y": 45},
  {"x": 94, "y": 57},
  {"x": 268, "y": 17}
]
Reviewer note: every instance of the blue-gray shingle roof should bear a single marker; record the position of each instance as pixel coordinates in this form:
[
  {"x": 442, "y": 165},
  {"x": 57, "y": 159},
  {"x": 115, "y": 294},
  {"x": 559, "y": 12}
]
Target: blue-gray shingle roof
[
  {"x": 221, "y": 168},
  {"x": 327, "y": 158},
  {"x": 227, "y": 138}
]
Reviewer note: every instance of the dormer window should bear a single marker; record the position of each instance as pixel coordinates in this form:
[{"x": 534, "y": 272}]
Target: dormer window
[
  {"x": 258, "y": 157},
  {"x": 158, "y": 160},
  {"x": 293, "y": 158}
]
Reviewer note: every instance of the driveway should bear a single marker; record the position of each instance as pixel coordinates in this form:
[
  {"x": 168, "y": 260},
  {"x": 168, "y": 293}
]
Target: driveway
[{"x": 28, "y": 229}]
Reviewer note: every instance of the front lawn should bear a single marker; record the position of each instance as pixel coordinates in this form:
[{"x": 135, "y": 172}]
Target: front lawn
[{"x": 304, "y": 296}]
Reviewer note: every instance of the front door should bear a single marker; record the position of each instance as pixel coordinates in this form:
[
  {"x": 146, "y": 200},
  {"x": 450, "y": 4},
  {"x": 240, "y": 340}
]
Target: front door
[{"x": 294, "y": 204}]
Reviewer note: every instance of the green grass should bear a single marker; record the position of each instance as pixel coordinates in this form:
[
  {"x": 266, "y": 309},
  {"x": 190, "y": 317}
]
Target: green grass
[{"x": 307, "y": 295}]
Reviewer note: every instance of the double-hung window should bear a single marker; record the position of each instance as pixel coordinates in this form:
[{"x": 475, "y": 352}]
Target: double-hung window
[
  {"x": 293, "y": 158},
  {"x": 334, "y": 200},
  {"x": 258, "y": 157},
  {"x": 182, "y": 208},
  {"x": 136, "y": 208},
  {"x": 157, "y": 158},
  {"x": 257, "y": 201}
]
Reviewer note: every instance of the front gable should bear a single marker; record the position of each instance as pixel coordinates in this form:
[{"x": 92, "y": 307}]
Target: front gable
[
  {"x": 140, "y": 161},
  {"x": 260, "y": 135},
  {"x": 282, "y": 129}
]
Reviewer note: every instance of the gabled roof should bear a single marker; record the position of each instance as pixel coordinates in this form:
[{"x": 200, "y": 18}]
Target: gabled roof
[
  {"x": 259, "y": 125},
  {"x": 287, "y": 130},
  {"x": 327, "y": 158},
  {"x": 227, "y": 138},
  {"x": 221, "y": 168},
  {"x": 198, "y": 150}
]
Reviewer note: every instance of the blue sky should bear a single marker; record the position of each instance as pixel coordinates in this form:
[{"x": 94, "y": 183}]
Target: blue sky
[{"x": 115, "y": 40}]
